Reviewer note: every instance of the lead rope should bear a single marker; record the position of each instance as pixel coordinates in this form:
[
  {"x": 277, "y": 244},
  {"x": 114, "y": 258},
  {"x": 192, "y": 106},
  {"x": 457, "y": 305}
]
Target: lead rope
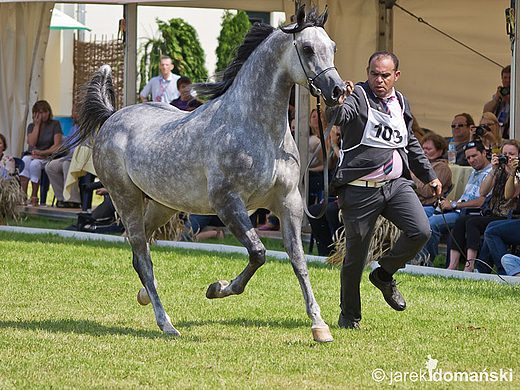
[{"x": 325, "y": 162}]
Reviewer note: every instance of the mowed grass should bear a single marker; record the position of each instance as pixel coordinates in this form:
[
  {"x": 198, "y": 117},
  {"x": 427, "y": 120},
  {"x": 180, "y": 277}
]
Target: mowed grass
[{"x": 69, "y": 319}]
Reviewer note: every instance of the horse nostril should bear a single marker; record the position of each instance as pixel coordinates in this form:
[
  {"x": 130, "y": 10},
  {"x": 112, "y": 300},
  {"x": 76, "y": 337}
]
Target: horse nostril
[{"x": 337, "y": 92}]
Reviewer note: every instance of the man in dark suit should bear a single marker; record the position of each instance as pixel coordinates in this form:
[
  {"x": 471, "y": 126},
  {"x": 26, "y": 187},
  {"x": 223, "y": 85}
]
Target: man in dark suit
[{"x": 378, "y": 150}]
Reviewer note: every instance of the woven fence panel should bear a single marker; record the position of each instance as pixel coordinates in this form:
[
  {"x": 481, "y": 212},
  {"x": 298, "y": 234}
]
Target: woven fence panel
[{"x": 88, "y": 58}]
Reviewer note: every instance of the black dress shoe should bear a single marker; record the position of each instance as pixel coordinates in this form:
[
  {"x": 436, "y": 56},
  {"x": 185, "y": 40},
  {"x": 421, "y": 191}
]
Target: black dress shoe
[
  {"x": 347, "y": 324},
  {"x": 390, "y": 292}
]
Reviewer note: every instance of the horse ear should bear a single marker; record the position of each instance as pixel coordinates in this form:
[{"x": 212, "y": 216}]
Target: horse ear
[
  {"x": 300, "y": 15},
  {"x": 323, "y": 17}
]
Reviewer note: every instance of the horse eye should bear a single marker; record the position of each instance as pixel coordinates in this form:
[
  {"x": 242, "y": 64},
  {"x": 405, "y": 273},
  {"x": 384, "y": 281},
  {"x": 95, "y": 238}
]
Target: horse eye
[{"x": 308, "y": 50}]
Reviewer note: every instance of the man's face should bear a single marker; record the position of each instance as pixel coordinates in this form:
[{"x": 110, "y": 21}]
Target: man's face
[
  {"x": 166, "y": 67},
  {"x": 476, "y": 159},
  {"x": 382, "y": 75},
  {"x": 185, "y": 90},
  {"x": 459, "y": 127},
  {"x": 506, "y": 79}
]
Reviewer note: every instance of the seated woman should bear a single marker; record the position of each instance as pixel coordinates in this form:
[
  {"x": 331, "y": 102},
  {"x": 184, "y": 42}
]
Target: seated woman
[
  {"x": 488, "y": 132},
  {"x": 58, "y": 169},
  {"x": 43, "y": 137},
  {"x": 7, "y": 164},
  {"x": 434, "y": 147},
  {"x": 469, "y": 228}
]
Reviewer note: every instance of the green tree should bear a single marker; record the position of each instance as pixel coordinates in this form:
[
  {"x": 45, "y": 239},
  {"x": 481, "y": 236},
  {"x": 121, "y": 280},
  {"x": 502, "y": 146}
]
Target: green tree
[
  {"x": 180, "y": 41},
  {"x": 234, "y": 29}
]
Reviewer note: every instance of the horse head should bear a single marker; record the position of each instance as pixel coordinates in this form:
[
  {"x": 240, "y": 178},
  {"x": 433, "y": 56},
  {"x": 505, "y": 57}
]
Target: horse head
[{"x": 312, "y": 59}]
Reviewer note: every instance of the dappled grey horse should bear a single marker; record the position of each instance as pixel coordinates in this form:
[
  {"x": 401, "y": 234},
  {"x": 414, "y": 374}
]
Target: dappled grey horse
[{"x": 232, "y": 154}]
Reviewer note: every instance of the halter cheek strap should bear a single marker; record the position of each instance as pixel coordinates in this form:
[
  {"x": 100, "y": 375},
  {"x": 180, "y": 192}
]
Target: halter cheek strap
[{"x": 314, "y": 90}]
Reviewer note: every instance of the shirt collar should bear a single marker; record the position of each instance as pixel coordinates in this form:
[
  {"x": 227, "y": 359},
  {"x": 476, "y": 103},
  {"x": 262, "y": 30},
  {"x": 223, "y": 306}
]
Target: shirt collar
[{"x": 392, "y": 95}]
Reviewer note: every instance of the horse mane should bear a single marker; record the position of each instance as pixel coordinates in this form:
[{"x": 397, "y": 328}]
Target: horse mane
[{"x": 254, "y": 37}]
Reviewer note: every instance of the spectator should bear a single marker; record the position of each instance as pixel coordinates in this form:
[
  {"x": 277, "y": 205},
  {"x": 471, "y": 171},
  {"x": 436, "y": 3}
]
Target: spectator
[
  {"x": 186, "y": 101},
  {"x": 488, "y": 132},
  {"x": 476, "y": 156},
  {"x": 58, "y": 168},
  {"x": 469, "y": 228},
  {"x": 163, "y": 88},
  {"x": 497, "y": 237},
  {"x": 511, "y": 264},
  {"x": 434, "y": 147},
  {"x": 461, "y": 136},
  {"x": 7, "y": 164},
  {"x": 43, "y": 137},
  {"x": 195, "y": 223},
  {"x": 499, "y": 104},
  {"x": 316, "y": 167},
  {"x": 324, "y": 228}
]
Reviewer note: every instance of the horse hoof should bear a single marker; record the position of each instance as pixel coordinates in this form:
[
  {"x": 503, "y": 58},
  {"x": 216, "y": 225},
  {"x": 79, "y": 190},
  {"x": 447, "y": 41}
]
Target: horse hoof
[
  {"x": 321, "y": 334},
  {"x": 215, "y": 289},
  {"x": 142, "y": 297},
  {"x": 171, "y": 331}
]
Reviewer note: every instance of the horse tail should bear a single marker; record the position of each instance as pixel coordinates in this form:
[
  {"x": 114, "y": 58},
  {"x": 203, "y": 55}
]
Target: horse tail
[{"x": 95, "y": 107}]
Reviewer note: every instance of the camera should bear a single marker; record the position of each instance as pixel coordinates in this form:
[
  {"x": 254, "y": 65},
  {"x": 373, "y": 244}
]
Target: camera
[
  {"x": 503, "y": 159},
  {"x": 481, "y": 130},
  {"x": 504, "y": 91}
]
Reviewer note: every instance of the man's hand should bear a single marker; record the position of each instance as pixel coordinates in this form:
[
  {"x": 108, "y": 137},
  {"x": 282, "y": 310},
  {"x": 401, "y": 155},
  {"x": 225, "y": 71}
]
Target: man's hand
[
  {"x": 436, "y": 187},
  {"x": 349, "y": 87},
  {"x": 445, "y": 205}
]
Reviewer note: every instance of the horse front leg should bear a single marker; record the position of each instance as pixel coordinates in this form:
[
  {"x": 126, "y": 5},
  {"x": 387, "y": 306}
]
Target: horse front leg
[
  {"x": 290, "y": 211},
  {"x": 233, "y": 214}
]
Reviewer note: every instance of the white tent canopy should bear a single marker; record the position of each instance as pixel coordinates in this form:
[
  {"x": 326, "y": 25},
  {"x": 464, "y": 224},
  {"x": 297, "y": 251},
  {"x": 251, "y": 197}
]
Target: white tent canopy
[{"x": 62, "y": 21}]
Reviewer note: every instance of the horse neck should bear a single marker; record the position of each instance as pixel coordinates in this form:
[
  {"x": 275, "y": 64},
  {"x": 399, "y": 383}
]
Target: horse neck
[{"x": 262, "y": 88}]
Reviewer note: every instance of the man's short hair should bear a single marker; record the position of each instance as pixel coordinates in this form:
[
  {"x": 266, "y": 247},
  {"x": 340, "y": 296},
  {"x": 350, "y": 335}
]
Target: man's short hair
[
  {"x": 166, "y": 58},
  {"x": 506, "y": 69},
  {"x": 469, "y": 119},
  {"x": 384, "y": 53},
  {"x": 183, "y": 80},
  {"x": 474, "y": 144}
]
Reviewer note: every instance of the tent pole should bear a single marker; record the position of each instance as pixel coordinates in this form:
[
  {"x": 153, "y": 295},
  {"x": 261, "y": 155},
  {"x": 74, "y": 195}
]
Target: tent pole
[
  {"x": 385, "y": 25},
  {"x": 130, "y": 89},
  {"x": 514, "y": 118}
]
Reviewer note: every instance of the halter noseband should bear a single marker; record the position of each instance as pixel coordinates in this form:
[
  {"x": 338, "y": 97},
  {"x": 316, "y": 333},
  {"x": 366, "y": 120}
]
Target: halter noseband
[{"x": 313, "y": 89}]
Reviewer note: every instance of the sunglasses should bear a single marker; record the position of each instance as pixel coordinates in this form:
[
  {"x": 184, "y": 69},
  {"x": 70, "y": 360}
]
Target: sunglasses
[
  {"x": 457, "y": 125},
  {"x": 469, "y": 145}
]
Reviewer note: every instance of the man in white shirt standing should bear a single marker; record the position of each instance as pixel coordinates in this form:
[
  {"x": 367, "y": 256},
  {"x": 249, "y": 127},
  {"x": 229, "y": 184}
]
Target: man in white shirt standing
[{"x": 163, "y": 87}]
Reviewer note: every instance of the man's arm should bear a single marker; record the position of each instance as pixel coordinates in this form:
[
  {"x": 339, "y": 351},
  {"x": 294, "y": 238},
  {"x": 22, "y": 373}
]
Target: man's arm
[
  {"x": 146, "y": 91},
  {"x": 492, "y": 105},
  {"x": 446, "y": 204}
]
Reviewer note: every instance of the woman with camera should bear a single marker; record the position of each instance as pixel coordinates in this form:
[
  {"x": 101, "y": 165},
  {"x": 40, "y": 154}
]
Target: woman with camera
[
  {"x": 488, "y": 132},
  {"x": 469, "y": 228}
]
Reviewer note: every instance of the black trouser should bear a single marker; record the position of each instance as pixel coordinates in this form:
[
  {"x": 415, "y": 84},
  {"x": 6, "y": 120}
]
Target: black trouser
[
  {"x": 468, "y": 230},
  {"x": 360, "y": 207}
]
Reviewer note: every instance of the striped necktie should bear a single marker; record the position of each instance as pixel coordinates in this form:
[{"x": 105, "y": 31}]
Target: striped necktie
[{"x": 384, "y": 103}]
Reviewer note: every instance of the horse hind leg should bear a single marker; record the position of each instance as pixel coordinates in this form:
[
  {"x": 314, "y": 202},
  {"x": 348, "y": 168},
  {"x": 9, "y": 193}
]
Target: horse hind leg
[
  {"x": 155, "y": 216},
  {"x": 234, "y": 215},
  {"x": 291, "y": 214},
  {"x": 129, "y": 203}
]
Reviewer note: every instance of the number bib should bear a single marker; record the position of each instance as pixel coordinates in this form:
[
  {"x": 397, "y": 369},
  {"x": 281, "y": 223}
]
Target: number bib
[{"x": 384, "y": 131}]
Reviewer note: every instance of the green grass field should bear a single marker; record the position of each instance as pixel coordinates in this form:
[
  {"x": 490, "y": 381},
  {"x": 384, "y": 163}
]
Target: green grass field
[{"x": 69, "y": 319}]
